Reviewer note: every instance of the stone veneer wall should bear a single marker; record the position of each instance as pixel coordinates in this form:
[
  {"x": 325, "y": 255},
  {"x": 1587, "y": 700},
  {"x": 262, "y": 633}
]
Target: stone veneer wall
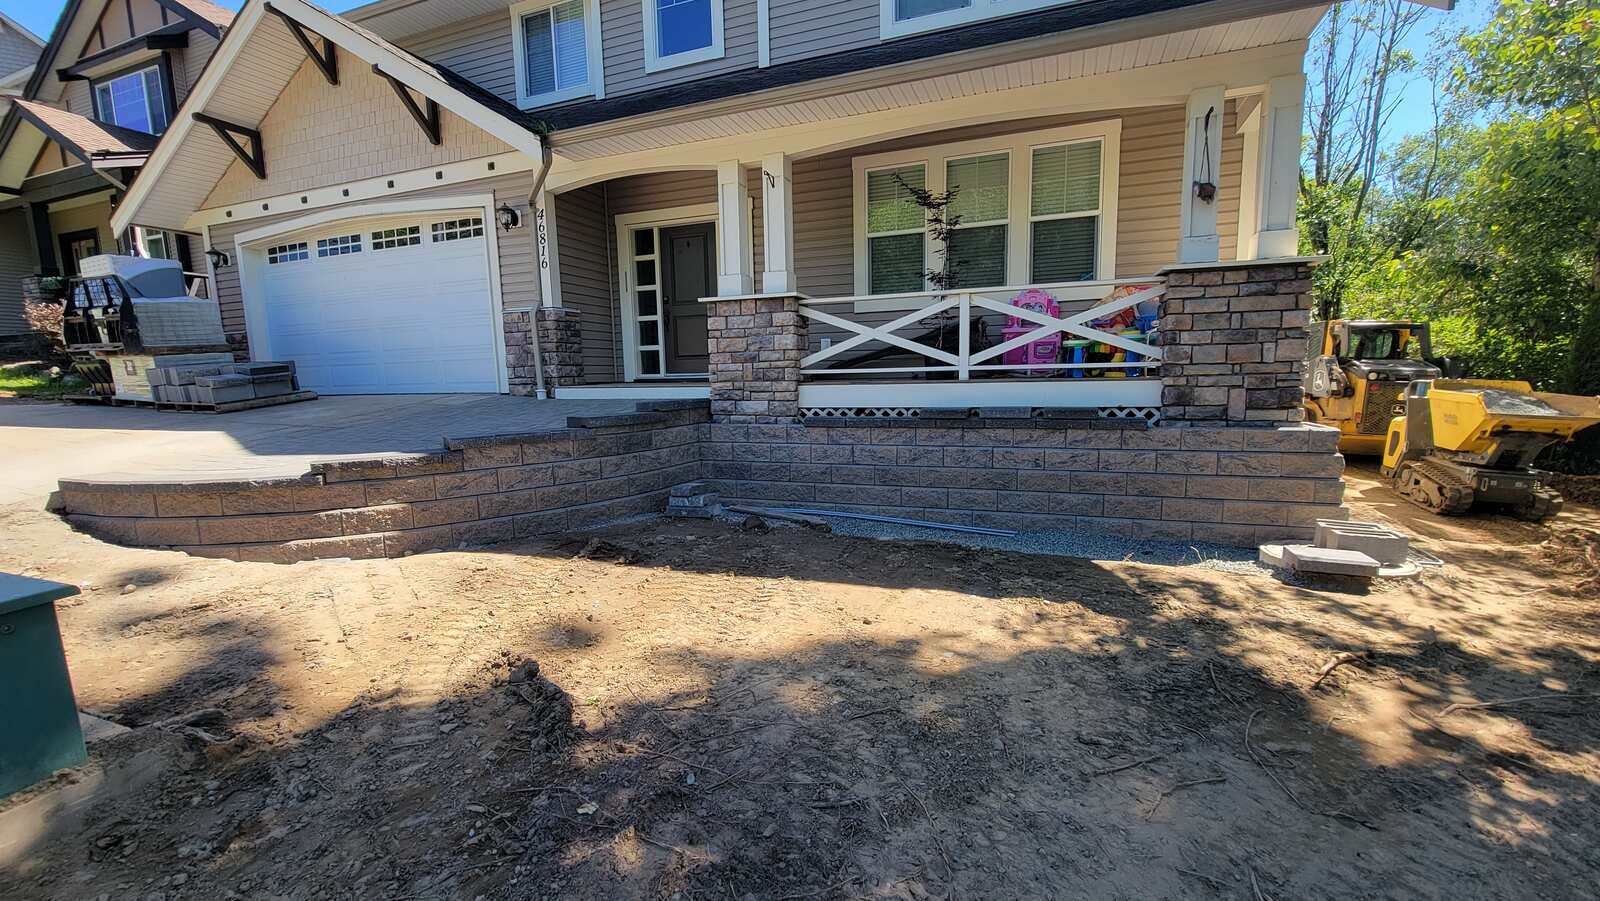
[
  {"x": 1229, "y": 485},
  {"x": 477, "y": 491},
  {"x": 756, "y": 344},
  {"x": 518, "y": 328},
  {"x": 561, "y": 345},
  {"x": 1233, "y": 339}
]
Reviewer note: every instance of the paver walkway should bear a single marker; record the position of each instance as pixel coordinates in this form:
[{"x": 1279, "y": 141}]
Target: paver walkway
[{"x": 41, "y": 443}]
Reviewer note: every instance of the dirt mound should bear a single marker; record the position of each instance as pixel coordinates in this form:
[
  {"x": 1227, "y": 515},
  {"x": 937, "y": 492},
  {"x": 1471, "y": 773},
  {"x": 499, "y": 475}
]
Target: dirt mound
[
  {"x": 1578, "y": 489},
  {"x": 1574, "y": 552},
  {"x": 550, "y": 724}
]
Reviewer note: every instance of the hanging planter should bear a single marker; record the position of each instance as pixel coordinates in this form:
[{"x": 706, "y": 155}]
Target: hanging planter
[{"x": 1204, "y": 187}]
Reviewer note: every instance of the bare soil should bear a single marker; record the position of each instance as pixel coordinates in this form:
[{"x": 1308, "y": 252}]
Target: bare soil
[{"x": 694, "y": 711}]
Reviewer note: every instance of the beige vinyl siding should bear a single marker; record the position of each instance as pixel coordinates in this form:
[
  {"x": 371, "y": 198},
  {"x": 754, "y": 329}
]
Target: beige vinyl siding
[
  {"x": 188, "y": 63},
  {"x": 317, "y": 134},
  {"x": 583, "y": 244},
  {"x": 519, "y": 274},
  {"x": 622, "y": 41},
  {"x": 479, "y": 50},
  {"x": 16, "y": 264},
  {"x": 1150, "y": 180},
  {"x": 96, "y": 215},
  {"x": 806, "y": 28},
  {"x": 661, "y": 190}
]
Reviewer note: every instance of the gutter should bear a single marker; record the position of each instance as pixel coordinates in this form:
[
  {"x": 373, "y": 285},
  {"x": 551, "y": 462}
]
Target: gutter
[{"x": 545, "y": 159}]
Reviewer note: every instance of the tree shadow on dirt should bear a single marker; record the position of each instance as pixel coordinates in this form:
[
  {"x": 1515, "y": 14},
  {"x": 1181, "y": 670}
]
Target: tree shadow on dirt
[{"x": 1105, "y": 754}]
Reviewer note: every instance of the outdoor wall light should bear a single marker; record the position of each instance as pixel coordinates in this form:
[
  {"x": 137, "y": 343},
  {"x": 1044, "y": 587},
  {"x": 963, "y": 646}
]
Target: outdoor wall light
[
  {"x": 507, "y": 217},
  {"x": 218, "y": 258}
]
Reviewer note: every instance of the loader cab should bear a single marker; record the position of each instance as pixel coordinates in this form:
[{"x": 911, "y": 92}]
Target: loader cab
[{"x": 1356, "y": 381}]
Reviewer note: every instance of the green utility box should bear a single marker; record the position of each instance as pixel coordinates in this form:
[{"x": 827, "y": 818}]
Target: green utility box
[{"x": 40, "y": 733}]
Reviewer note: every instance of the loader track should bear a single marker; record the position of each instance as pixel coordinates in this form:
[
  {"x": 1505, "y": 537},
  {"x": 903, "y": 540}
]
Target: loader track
[
  {"x": 1434, "y": 487},
  {"x": 1541, "y": 507}
]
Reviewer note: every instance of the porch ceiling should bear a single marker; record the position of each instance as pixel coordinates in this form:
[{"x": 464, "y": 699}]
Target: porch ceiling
[
  {"x": 252, "y": 66},
  {"x": 1143, "y": 43}
]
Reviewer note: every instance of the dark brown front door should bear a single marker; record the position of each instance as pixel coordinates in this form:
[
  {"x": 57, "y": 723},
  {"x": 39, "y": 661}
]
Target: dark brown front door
[
  {"x": 689, "y": 272},
  {"x": 77, "y": 245}
]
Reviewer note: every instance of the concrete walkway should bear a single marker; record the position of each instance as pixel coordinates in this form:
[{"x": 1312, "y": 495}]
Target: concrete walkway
[{"x": 41, "y": 443}]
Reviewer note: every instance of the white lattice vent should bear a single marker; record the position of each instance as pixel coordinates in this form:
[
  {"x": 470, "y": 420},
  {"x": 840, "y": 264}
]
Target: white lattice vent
[
  {"x": 1145, "y": 414},
  {"x": 858, "y": 412}
]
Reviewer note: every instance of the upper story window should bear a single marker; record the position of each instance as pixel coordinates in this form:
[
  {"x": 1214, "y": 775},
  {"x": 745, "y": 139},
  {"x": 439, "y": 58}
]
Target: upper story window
[
  {"x": 133, "y": 100},
  {"x": 902, "y": 17},
  {"x": 680, "y": 32},
  {"x": 557, "y": 50},
  {"x": 1035, "y": 208}
]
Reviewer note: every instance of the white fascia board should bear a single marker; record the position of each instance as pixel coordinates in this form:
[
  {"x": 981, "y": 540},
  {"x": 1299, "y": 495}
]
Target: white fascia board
[{"x": 331, "y": 27}]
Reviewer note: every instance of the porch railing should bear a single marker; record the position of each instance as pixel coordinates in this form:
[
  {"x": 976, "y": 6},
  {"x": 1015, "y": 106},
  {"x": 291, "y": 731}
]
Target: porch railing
[
  {"x": 198, "y": 283},
  {"x": 853, "y": 323}
]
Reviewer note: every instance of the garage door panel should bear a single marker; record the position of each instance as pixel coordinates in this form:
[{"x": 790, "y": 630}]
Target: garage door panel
[{"x": 407, "y": 319}]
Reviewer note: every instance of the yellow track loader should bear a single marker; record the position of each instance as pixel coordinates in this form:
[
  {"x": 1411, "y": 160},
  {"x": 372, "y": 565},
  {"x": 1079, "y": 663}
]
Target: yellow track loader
[
  {"x": 1355, "y": 375},
  {"x": 1463, "y": 442}
]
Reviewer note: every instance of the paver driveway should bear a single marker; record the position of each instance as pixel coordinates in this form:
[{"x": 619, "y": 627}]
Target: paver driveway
[{"x": 40, "y": 443}]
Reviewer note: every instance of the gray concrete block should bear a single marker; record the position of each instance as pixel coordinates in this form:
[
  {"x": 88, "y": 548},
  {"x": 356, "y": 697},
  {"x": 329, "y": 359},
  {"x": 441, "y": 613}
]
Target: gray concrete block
[
  {"x": 1329, "y": 562},
  {"x": 1378, "y": 542}
]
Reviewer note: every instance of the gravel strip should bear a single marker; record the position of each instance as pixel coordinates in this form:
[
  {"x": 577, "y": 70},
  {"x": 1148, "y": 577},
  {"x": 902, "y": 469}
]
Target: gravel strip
[{"x": 1069, "y": 543}]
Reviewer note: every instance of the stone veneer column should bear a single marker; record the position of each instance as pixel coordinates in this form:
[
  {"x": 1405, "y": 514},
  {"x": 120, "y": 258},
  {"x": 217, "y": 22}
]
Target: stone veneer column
[
  {"x": 561, "y": 345},
  {"x": 756, "y": 345},
  {"x": 1233, "y": 338},
  {"x": 518, "y": 328}
]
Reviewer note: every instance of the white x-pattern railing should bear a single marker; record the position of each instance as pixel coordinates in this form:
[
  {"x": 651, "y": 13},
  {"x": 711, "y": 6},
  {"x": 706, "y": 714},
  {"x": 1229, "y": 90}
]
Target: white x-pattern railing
[{"x": 965, "y": 361}]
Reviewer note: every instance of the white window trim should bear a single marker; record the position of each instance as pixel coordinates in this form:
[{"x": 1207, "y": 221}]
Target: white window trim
[
  {"x": 594, "y": 84},
  {"x": 108, "y": 116},
  {"x": 864, "y": 250},
  {"x": 1019, "y": 249},
  {"x": 979, "y": 10},
  {"x": 655, "y": 62}
]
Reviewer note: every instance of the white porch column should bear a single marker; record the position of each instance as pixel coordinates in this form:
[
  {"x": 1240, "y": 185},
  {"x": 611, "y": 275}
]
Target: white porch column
[
  {"x": 544, "y": 236},
  {"x": 1277, "y": 172},
  {"x": 777, "y": 222},
  {"x": 1202, "y": 162},
  {"x": 736, "y": 257},
  {"x": 1250, "y": 116}
]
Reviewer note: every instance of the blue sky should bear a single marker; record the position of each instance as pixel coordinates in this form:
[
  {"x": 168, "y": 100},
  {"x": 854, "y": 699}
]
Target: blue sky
[{"x": 1415, "y": 113}]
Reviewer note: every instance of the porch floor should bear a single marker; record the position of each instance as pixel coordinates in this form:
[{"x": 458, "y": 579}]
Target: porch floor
[{"x": 47, "y": 442}]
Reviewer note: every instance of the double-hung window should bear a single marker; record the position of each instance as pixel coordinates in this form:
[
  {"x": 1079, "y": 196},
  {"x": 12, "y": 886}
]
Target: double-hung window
[
  {"x": 977, "y": 246},
  {"x": 133, "y": 100},
  {"x": 1064, "y": 214},
  {"x": 896, "y": 230},
  {"x": 557, "y": 50},
  {"x": 680, "y": 32},
  {"x": 1034, "y": 208}
]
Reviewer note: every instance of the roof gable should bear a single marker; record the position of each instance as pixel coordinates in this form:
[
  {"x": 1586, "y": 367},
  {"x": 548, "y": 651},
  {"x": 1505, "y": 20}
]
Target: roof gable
[{"x": 250, "y": 69}]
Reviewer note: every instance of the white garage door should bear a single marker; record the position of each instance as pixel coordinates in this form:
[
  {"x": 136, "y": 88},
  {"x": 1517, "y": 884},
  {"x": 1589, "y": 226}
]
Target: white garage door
[{"x": 398, "y": 305}]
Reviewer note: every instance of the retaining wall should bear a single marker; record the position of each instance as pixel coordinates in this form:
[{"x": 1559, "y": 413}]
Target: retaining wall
[
  {"x": 1230, "y": 485},
  {"x": 476, "y": 491}
]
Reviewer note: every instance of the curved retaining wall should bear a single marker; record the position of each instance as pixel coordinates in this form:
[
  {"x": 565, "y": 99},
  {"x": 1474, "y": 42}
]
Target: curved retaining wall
[
  {"x": 476, "y": 491},
  {"x": 1228, "y": 485}
]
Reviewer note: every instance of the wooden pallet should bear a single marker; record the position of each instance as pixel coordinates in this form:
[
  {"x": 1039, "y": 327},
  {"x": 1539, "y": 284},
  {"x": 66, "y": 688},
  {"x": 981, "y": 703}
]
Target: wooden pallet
[{"x": 176, "y": 407}]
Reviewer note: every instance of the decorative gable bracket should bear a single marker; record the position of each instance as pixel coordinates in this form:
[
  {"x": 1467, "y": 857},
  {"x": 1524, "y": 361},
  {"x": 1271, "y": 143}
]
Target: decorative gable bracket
[
  {"x": 429, "y": 121},
  {"x": 255, "y": 158},
  {"x": 326, "y": 59}
]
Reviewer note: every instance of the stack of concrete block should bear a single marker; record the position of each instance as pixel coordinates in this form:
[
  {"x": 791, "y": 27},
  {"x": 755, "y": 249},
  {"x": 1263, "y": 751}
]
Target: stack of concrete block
[
  {"x": 1349, "y": 549},
  {"x": 693, "y": 500},
  {"x": 221, "y": 383}
]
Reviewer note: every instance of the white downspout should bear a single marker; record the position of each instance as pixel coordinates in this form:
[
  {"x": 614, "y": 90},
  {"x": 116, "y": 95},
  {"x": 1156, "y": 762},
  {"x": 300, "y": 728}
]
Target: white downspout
[{"x": 545, "y": 156}]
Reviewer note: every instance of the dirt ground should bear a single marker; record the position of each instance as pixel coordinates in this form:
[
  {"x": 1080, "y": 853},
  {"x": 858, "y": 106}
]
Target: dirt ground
[{"x": 719, "y": 714}]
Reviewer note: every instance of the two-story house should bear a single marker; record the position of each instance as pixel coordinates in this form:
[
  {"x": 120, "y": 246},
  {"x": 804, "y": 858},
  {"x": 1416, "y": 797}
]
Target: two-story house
[
  {"x": 107, "y": 84},
  {"x": 427, "y": 196}
]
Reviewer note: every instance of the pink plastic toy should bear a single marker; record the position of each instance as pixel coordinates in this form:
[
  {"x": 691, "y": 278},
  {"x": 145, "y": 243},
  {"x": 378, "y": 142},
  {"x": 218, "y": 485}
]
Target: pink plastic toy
[{"x": 1046, "y": 349}]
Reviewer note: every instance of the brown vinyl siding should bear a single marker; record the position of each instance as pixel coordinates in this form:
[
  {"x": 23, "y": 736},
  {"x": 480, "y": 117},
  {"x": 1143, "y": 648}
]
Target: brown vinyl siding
[
  {"x": 805, "y": 28},
  {"x": 16, "y": 264},
  {"x": 583, "y": 244},
  {"x": 519, "y": 274}
]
